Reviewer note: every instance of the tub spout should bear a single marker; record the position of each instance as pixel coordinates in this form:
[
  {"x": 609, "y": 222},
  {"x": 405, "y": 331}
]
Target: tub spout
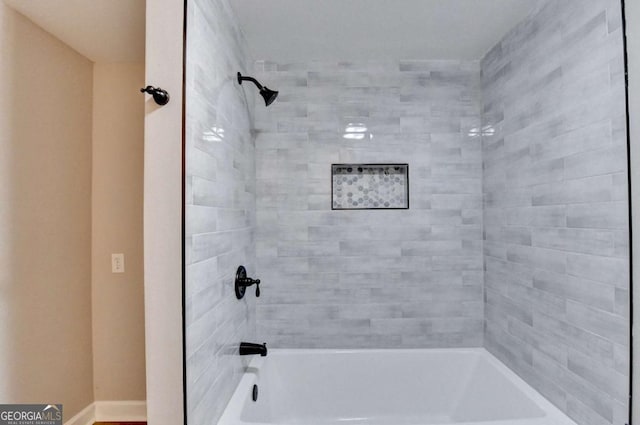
[{"x": 248, "y": 348}]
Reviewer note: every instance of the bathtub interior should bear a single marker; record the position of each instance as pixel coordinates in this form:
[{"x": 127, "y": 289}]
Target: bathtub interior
[{"x": 425, "y": 387}]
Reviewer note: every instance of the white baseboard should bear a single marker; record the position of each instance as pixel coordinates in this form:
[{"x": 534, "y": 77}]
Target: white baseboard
[
  {"x": 111, "y": 411},
  {"x": 121, "y": 411}
]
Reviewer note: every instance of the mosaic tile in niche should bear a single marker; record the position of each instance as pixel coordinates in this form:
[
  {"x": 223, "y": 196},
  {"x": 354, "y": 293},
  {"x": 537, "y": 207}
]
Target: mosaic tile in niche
[{"x": 370, "y": 186}]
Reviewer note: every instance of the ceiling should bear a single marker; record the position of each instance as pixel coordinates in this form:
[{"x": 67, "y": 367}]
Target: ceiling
[
  {"x": 101, "y": 30},
  {"x": 304, "y": 30},
  {"x": 298, "y": 30}
]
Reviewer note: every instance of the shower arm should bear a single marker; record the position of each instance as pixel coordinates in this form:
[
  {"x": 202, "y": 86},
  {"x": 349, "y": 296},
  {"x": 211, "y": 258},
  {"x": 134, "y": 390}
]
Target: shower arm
[{"x": 253, "y": 80}]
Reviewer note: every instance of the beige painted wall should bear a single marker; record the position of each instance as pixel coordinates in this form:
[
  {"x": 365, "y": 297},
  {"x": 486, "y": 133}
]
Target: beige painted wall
[
  {"x": 45, "y": 218},
  {"x": 118, "y": 298}
]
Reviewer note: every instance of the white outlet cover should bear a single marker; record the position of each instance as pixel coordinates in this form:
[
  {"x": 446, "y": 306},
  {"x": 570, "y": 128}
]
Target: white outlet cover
[{"x": 117, "y": 263}]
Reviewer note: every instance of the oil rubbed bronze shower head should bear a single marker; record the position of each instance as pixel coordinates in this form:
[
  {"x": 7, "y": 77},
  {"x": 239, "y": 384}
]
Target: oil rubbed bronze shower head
[{"x": 268, "y": 94}]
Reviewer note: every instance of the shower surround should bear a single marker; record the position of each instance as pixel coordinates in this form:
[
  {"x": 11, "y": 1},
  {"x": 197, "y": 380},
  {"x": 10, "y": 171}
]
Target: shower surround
[
  {"x": 517, "y": 235},
  {"x": 549, "y": 158},
  {"x": 556, "y": 213},
  {"x": 220, "y": 207},
  {"x": 365, "y": 279}
]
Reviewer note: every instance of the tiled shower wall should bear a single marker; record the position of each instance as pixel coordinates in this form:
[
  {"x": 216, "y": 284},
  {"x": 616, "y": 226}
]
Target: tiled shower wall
[
  {"x": 556, "y": 224},
  {"x": 381, "y": 278},
  {"x": 220, "y": 207}
]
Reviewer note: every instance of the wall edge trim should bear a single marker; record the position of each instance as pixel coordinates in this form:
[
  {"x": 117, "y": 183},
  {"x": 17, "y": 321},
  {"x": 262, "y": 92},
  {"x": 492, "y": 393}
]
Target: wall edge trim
[{"x": 85, "y": 417}]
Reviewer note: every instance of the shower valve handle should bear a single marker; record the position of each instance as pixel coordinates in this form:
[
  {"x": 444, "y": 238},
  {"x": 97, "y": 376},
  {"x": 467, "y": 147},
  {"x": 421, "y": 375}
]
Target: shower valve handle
[{"x": 256, "y": 282}]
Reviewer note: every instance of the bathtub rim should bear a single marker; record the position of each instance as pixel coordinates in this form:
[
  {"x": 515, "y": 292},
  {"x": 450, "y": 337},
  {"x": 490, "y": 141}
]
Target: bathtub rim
[{"x": 553, "y": 415}]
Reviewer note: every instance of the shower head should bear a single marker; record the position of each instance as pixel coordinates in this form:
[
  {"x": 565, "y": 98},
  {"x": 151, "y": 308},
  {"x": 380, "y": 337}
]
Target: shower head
[{"x": 268, "y": 94}]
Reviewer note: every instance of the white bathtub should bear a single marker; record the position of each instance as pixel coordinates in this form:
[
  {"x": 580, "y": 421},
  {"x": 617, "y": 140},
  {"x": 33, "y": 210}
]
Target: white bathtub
[{"x": 386, "y": 387}]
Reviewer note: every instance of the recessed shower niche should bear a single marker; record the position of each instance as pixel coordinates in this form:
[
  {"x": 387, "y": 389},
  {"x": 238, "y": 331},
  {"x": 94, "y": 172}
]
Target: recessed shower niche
[{"x": 369, "y": 186}]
